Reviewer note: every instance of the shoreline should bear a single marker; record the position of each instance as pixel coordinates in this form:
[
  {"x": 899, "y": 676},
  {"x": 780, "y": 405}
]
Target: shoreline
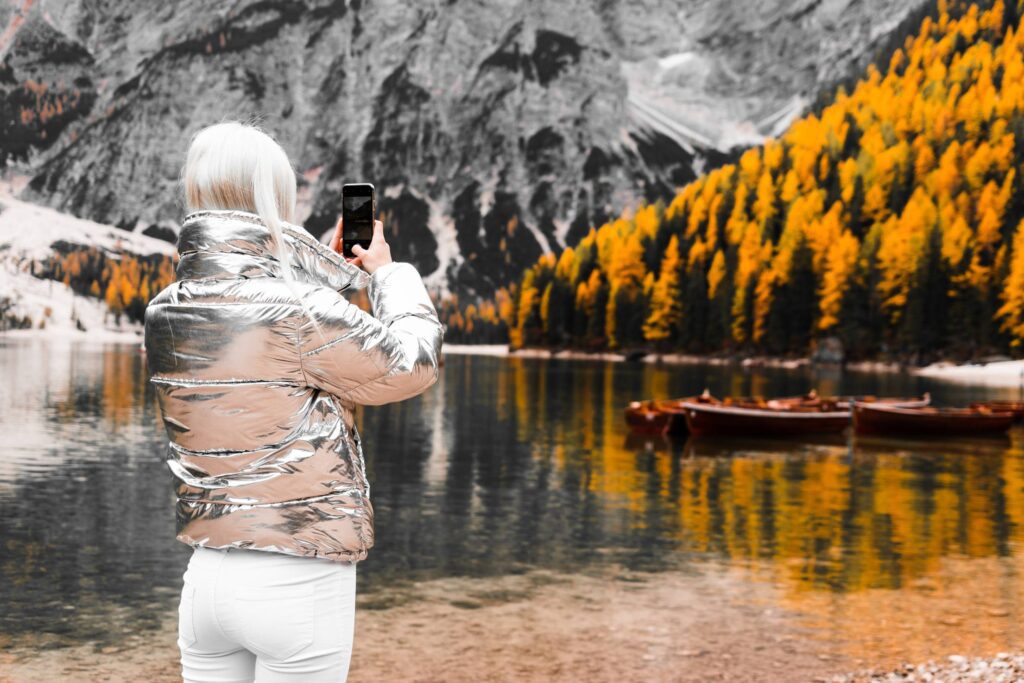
[
  {"x": 997, "y": 374},
  {"x": 1002, "y": 374},
  {"x": 68, "y": 335},
  {"x": 502, "y": 350}
]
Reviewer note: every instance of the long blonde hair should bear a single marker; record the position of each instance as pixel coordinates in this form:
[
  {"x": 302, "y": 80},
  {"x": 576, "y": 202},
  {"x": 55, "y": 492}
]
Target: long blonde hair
[{"x": 235, "y": 165}]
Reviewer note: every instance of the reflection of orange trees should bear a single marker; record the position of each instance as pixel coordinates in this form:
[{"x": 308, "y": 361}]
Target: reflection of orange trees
[
  {"x": 877, "y": 522},
  {"x": 124, "y": 385},
  {"x": 887, "y": 218},
  {"x": 964, "y": 606},
  {"x": 881, "y": 515},
  {"x": 1012, "y": 491},
  {"x": 33, "y": 558},
  {"x": 115, "y": 393},
  {"x": 525, "y": 398},
  {"x": 615, "y": 468}
]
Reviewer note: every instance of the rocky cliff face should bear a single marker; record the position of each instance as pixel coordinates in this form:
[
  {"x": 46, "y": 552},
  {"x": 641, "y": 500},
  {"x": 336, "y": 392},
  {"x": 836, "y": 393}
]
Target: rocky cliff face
[{"x": 494, "y": 130}]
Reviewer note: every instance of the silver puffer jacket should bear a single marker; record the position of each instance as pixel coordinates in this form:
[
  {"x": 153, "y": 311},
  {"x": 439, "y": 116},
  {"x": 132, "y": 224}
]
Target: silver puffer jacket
[{"x": 257, "y": 378}]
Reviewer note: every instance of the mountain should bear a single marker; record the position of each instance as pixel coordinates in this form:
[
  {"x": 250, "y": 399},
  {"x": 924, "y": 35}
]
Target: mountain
[
  {"x": 495, "y": 131},
  {"x": 887, "y": 223}
]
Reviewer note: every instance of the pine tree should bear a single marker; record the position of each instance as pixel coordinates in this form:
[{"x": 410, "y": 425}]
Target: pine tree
[{"x": 662, "y": 324}]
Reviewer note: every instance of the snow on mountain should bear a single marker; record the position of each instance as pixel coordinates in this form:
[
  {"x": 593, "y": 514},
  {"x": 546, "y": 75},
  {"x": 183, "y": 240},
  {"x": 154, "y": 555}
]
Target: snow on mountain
[
  {"x": 28, "y": 230},
  {"x": 27, "y": 233}
]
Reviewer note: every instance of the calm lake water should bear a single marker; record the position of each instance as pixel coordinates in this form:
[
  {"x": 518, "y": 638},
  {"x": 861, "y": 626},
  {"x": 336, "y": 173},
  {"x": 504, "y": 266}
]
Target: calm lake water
[{"x": 505, "y": 465}]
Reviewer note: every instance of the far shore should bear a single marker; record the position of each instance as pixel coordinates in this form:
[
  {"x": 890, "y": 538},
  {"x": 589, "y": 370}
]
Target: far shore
[
  {"x": 1001, "y": 374},
  {"x": 65, "y": 334},
  {"x": 997, "y": 374}
]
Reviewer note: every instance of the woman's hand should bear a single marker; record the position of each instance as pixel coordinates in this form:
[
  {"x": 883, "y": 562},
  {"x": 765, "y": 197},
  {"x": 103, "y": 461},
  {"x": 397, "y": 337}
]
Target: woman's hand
[
  {"x": 336, "y": 239},
  {"x": 379, "y": 253}
]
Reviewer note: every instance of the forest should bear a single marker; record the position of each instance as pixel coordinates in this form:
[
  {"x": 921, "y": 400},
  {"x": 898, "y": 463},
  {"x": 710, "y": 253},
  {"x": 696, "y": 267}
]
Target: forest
[
  {"x": 125, "y": 282},
  {"x": 889, "y": 218}
]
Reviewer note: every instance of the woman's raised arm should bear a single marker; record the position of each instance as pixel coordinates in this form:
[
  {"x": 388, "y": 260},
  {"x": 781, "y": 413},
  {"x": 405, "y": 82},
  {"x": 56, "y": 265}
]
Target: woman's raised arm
[{"x": 370, "y": 360}]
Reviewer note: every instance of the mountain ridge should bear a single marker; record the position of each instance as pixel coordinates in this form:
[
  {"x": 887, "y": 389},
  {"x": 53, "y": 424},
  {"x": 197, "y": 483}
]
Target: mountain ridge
[{"x": 495, "y": 131}]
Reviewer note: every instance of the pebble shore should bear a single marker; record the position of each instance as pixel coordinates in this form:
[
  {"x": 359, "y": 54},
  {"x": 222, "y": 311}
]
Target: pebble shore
[{"x": 1003, "y": 667}]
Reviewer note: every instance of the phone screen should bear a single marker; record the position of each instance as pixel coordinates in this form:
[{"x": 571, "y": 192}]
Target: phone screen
[{"x": 357, "y": 214}]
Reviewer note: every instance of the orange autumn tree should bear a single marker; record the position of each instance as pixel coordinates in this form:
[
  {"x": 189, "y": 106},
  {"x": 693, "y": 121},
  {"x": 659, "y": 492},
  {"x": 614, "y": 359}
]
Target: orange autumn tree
[{"x": 666, "y": 306}]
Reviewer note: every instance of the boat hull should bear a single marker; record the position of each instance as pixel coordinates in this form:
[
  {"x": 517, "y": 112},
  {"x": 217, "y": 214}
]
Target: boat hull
[
  {"x": 643, "y": 420},
  {"x": 705, "y": 420},
  {"x": 1015, "y": 407},
  {"x": 870, "y": 419},
  {"x": 676, "y": 411}
]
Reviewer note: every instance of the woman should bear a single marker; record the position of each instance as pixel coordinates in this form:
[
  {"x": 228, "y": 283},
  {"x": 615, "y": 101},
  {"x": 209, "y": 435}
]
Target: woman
[{"x": 259, "y": 362}]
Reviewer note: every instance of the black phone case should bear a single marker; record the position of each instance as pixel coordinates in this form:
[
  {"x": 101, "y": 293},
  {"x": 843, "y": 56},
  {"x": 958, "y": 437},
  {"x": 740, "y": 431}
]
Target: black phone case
[{"x": 346, "y": 246}]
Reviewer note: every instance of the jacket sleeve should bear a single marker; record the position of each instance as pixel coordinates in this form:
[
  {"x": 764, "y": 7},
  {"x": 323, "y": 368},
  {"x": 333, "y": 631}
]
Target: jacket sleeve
[
  {"x": 370, "y": 360},
  {"x": 318, "y": 264}
]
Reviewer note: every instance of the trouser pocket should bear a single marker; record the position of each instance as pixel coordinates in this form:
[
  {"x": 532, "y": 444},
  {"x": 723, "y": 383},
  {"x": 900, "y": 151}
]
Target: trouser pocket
[{"x": 277, "y": 621}]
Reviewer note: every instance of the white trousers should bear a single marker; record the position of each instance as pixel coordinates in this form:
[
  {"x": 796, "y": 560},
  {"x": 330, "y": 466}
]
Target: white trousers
[{"x": 252, "y": 616}]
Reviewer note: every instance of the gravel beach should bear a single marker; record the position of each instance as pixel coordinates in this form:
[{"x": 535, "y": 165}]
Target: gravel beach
[
  {"x": 538, "y": 626},
  {"x": 706, "y": 623},
  {"x": 1003, "y": 667}
]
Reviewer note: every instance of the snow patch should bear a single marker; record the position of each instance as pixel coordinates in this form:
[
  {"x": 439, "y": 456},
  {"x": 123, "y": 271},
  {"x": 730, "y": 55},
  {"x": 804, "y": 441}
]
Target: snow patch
[
  {"x": 1002, "y": 374},
  {"x": 28, "y": 230},
  {"x": 475, "y": 349},
  {"x": 679, "y": 59},
  {"x": 442, "y": 227},
  {"x": 779, "y": 122},
  {"x": 562, "y": 227},
  {"x": 56, "y": 311}
]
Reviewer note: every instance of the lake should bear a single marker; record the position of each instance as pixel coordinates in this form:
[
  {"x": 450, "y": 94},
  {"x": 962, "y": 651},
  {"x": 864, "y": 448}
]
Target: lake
[{"x": 508, "y": 465}]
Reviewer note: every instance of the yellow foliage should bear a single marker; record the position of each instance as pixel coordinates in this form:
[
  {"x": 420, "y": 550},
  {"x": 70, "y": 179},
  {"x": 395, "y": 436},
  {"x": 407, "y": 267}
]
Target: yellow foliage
[
  {"x": 900, "y": 250},
  {"x": 716, "y": 273},
  {"x": 666, "y": 300},
  {"x": 840, "y": 264}
]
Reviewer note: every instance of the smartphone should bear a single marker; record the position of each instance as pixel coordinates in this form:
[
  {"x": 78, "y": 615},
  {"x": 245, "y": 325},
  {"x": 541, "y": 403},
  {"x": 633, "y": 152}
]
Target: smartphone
[{"x": 358, "y": 210}]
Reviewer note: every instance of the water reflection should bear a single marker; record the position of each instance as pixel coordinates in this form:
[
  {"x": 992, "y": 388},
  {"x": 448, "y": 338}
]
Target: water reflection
[
  {"x": 504, "y": 465},
  {"x": 83, "y": 495},
  {"x": 875, "y": 514}
]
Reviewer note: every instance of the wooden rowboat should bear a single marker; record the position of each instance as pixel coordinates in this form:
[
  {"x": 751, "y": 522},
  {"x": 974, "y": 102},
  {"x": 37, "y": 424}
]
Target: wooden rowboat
[
  {"x": 811, "y": 399},
  {"x": 755, "y": 416},
  {"x": 676, "y": 407},
  {"x": 676, "y": 411},
  {"x": 794, "y": 420},
  {"x": 1015, "y": 407},
  {"x": 923, "y": 401},
  {"x": 643, "y": 418},
  {"x": 871, "y": 418},
  {"x": 792, "y": 416}
]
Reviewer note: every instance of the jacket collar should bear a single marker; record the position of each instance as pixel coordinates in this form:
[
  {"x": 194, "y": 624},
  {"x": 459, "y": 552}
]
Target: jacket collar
[{"x": 223, "y": 243}]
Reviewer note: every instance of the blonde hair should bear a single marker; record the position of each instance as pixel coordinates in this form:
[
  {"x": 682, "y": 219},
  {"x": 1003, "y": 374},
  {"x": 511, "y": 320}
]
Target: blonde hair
[{"x": 235, "y": 165}]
